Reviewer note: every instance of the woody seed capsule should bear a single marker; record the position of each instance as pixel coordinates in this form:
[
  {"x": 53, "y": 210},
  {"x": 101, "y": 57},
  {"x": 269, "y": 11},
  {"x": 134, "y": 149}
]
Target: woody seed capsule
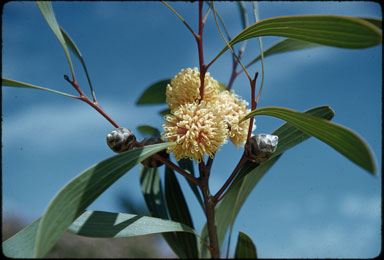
[
  {"x": 260, "y": 147},
  {"x": 121, "y": 140}
]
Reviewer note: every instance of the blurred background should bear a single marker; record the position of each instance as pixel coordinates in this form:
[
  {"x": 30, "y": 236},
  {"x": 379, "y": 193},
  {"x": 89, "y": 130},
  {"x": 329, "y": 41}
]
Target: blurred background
[{"x": 313, "y": 203}]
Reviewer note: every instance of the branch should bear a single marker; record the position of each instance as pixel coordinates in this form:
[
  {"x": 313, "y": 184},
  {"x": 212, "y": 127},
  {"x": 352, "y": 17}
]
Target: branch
[{"x": 84, "y": 98}]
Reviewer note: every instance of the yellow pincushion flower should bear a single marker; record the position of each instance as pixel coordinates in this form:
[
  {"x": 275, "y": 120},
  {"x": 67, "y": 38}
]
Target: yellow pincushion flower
[
  {"x": 197, "y": 130},
  {"x": 233, "y": 108},
  {"x": 185, "y": 88}
]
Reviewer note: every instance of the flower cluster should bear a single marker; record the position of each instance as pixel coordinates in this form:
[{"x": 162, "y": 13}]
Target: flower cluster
[
  {"x": 185, "y": 88},
  {"x": 197, "y": 126}
]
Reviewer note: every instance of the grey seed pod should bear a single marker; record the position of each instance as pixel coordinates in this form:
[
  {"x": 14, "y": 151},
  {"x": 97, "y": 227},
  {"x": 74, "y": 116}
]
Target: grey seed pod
[
  {"x": 121, "y": 140},
  {"x": 152, "y": 162},
  {"x": 260, "y": 147}
]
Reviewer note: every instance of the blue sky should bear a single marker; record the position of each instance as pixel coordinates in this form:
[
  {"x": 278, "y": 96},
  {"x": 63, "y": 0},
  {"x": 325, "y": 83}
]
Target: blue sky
[{"x": 312, "y": 203}]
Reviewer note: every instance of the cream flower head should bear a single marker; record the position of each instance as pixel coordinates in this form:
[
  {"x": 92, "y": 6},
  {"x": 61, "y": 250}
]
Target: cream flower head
[
  {"x": 233, "y": 108},
  {"x": 185, "y": 88},
  {"x": 197, "y": 130}
]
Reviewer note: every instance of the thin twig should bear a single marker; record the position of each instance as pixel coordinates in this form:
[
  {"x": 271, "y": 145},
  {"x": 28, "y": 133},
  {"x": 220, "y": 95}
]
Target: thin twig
[
  {"x": 255, "y": 11},
  {"x": 84, "y": 98},
  {"x": 199, "y": 40},
  {"x": 209, "y": 208},
  {"x": 234, "y": 74},
  {"x": 222, "y": 23},
  {"x": 228, "y": 45},
  {"x": 206, "y": 15},
  {"x": 217, "y": 197},
  {"x": 176, "y": 168},
  {"x": 171, "y": 165},
  {"x": 181, "y": 18},
  {"x": 253, "y": 104}
]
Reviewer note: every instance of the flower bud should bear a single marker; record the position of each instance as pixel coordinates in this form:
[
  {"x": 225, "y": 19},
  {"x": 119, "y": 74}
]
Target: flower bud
[
  {"x": 260, "y": 147},
  {"x": 121, "y": 140},
  {"x": 152, "y": 162}
]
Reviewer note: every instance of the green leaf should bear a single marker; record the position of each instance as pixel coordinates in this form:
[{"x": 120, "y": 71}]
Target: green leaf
[
  {"x": 293, "y": 45},
  {"x": 341, "y": 139},
  {"x": 329, "y": 30},
  {"x": 221, "y": 20},
  {"x": 251, "y": 173},
  {"x": 152, "y": 192},
  {"x": 148, "y": 130},
  {"x": 285, "y": 46},
  {"x": 165, "y": 112},
  {"x": 22, "y": 244},
  {"x": 153, "y": 196},
  {"x": 155, "y": 93},
  {"x": 187, "y": 165},
  {"x": 375, "y": 21},
  {"x": 73, "y": 47},
  {"x": 14, "y": 83},
  {"x": 179, "y": 212},
  {"x": 79, "y": 193},
  {"x": 243, "y": 14},
  {"x": 245, "y": 247},
  {"x": 114, "y": 225},
  {"x": 94, "y": 224},
  {"x": 48, "y": 14}
]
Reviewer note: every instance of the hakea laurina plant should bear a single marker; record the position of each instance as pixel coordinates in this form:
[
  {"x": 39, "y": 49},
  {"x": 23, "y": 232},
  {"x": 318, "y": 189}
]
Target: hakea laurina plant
[{"x": 203, "y": 115}]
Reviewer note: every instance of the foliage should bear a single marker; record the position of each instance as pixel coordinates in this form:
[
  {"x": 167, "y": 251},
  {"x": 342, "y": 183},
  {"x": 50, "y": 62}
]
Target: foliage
[{"x": 169, "y": 212}]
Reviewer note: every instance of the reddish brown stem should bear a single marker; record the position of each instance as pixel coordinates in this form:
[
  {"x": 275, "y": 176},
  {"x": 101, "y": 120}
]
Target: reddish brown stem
[
  {"x": 176, "y": 168},
  {"x": 99, "y": 109},
  {"x": 206, "y": 16},
  {"x": 217, "y": 197},
  {"x": 171, "y": 165},
  {"x": 243, "y": 159},
  {"x": 253, "y": 104},
  {"x": 209, "y": 207},
  {"x": 84, "y": 98},
  {"x": 199, "y": 40},
  {"x": 234, "y": 66}
]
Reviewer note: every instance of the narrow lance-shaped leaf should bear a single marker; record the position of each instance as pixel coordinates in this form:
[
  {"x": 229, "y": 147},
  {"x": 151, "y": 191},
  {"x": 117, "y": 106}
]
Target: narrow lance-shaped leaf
[
  {"x": 243, "y": 14},
  {"x": 79, "y": 193},
  {"x": 148, "y": 130},
  {"x": 48, "y": 14},
  {"x": 95, "y": 224},
  {"x": 245, "y": 247},
  {"x": 178, "y": 211},
  {"x": 244, "y": 21},
  {"x": 251, "y": 173},
  {"x": 329, "y": 30},
  {"x": 221, "y": 21},
  {"x": 14, "y": 83},
  {"x": 114, "y": 225},
  {"x": 165, "y": 112},
  {"x": 375, "y": 21},
  {"x": 73, "y": 47},
  {"x": 22, "y": 244},
  {"x": 341, "y": 139},
  {"x": 176, "y": 203},
  {"x": 229, "y": 207},
  {"x": 187, "y": 165},
  {"x": 285, "y": 46},
  {"x": 154, "y": 199},
  {"x": 155, "y": 93}
]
